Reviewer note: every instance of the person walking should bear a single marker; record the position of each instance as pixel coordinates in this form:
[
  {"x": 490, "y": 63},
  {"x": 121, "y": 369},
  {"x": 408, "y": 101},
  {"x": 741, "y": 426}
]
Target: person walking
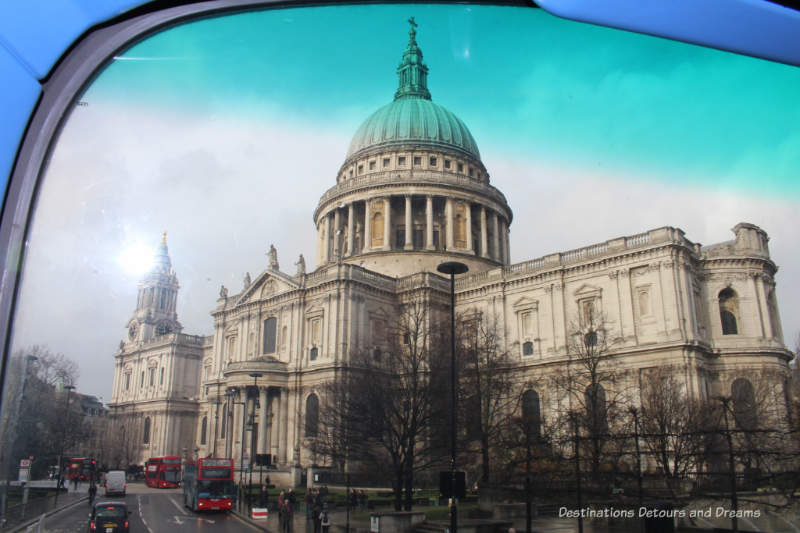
[
  {"x": 92, "y": 493},
  {"x": 309, "y": 502},
  {"x": 288, "y": 524},
  {"x": 325, "y": 519},
  {"x": 315, "y": 512}
]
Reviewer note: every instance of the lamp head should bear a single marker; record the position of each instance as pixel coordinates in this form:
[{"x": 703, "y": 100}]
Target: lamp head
[{"x": 452, "y": 268}]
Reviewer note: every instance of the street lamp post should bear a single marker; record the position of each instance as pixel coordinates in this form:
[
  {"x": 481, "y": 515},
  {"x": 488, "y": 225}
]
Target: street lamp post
[
  {"x": 13, "y": 433},
  {"x": 255, "y": 376},
  {"x": 69, "y": 388},
  {"x": 453, "y": 268},
  {"x": 216, "y": 422}
]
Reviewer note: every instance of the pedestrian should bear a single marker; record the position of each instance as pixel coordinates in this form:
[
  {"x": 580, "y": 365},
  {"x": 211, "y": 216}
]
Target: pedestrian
[
  {"x": 316, "y": 514},
  {"x": 92, "y": 493},
  {"x": 264, "y": 495},
  {"x": 75, "y": 483},
  {"x": 288, "y": 515},
  {"x": 292, "y": 497},
  {"x": 325, "y": 519},
  {"x": 362, "y": 499},
  {"x": 309, "y": 499}
]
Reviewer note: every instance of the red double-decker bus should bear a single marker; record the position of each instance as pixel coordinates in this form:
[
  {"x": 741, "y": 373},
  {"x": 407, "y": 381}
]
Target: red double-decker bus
[
  {"x": 208, "y": 484},
  {"x": 163, "y": 472},
  {"x": 80, "y": 468}
]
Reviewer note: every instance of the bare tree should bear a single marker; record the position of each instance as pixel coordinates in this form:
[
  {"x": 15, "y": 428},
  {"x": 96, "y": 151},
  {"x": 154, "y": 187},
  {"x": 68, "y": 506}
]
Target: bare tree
[
  {"x": 386, "y": 403},
  {"x": 673, "y": 424},
  {"x": 593, "y": 385},
  {"x": 488, "y": 394}
]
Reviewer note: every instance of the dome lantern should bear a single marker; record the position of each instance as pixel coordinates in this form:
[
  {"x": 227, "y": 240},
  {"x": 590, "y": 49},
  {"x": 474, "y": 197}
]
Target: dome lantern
[{"x": 412, "y": 72}]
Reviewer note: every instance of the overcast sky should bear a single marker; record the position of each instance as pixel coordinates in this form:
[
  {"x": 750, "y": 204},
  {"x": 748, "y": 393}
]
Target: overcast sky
[{"x": 226, "y": 131}]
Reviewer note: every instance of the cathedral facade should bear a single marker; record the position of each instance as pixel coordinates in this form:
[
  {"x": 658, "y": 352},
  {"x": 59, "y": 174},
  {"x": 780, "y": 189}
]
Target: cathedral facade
[{"x": 411, "y": 194}]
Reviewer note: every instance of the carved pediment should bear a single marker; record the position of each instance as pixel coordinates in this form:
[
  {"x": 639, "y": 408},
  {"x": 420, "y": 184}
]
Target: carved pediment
[
  {"x": 526, "y": 303},
  {"x": 587, "y": 291},
  {"x": 270, "y": 283}
]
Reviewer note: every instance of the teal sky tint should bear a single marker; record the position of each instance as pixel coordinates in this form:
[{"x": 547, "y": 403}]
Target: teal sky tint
[{"x": 528, "y": 86}]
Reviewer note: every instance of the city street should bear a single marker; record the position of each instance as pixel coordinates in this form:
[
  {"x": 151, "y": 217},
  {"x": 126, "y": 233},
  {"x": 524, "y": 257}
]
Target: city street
[{"x": 152, "y": 511}]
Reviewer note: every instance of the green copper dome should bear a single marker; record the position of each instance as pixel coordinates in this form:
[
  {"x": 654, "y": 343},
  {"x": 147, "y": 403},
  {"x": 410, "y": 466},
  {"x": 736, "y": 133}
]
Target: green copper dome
[{"x": 412, "y": 117}]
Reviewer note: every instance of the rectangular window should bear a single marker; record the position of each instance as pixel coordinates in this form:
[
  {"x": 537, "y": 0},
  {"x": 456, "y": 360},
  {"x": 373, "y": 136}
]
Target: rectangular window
[
  {"x": 436, "y": 238},
  {"x": 432, "y": 161},
  {"x": 471, "y": 172},
  {"x": 401, "y": 161},
  {"x": 417, "y": 160},
  {"x": 360, "y": 169},
  {"x": 446, "y": 163},
  {"x": 141, "y": 380},
  {"x": 270, "y": 331},
  {"x": 418, "y": 236},
  {"x": 401, "y": 237},
  {"x": 127, "y": 381},
  {"x": 372, "y": 165},
  {"x": 161, "y": 377},
  {"x": 152, "y": 376},
  {"x": 461, "y": 167},
  {"x": 385, "y": 162}
]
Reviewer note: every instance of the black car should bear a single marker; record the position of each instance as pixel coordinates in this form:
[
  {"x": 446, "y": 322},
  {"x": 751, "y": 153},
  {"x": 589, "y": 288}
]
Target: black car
[{"x": 109, "y": 517}]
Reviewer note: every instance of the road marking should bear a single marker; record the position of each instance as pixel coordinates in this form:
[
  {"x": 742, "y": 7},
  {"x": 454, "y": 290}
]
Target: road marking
[
  {"x": 176, "y": 504},
  {"x": 178, "y": 520},
  {"x": 141, "y": 514}
]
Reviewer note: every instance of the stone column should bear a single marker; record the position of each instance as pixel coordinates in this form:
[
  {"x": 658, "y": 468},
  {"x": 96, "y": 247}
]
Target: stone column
[
  {"x": 448, "y": 214},
  {"x": 387, "y": 223},
  {"x": 284, "y": 423},
  {"x": 268, "y": 429},
  {"x": 496, "y": 240},
  {"x": 409, "y": 240},
  {"x": 506, "y": 235},
  {"x": 468, "y": 222},
  {"x": 367, "y": 226},
  {"x": 337, "y": 240},
  {"x": 262, "y": 419},
  {"x": 326, "y": 245},
  {"x": 276, "y": 429},
  {"x": 484, "y": 234},
  {"x": 351, "y": 227},
  {"x": 429, "y": 223}
]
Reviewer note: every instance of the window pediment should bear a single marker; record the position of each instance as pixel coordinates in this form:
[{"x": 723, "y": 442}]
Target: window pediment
[{"x": 526, "y": 303}]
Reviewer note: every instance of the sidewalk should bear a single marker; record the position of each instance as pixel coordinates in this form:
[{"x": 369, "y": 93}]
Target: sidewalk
[
  {"x": 20, "y": 517},
  {"x": 301, "y": 524}
]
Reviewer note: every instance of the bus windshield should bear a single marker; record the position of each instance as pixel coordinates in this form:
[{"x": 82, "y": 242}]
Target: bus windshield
[
  {"x": 214, "y": 489},
  {"x": 172, "y": 476}
]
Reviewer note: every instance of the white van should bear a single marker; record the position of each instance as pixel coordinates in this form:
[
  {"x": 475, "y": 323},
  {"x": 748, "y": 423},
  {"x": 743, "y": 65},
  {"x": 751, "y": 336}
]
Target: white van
[{"x": 115, "y": 483}]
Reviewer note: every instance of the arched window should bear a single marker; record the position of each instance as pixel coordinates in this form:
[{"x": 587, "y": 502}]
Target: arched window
[
  {"x": 203, "y": 430},
  {"x": 728, "y": 311},
  {"x": 146, "y": 439},
  {"x": 460, "y": 226},
  {"x": 531, "y": 414},
  {"x": 313, "y": 354},
  {"x": 312, "y": 415},
  {"x": 377, "y": 229},
  {"x": 597, "y": 417},
  {"x": 527, "y": 348},
  {"x": 270, "y": 330},
  {"x": 744, "y": 403}
]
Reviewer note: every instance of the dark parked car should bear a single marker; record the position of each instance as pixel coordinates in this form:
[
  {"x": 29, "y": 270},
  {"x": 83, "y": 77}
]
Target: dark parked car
[{"x": 109, "y": 517}]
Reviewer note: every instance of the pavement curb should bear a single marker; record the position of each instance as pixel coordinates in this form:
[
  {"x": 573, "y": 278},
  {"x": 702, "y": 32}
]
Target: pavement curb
[
  {"x": 248, "y": 521},
  {"x": 29, "y": 523}
]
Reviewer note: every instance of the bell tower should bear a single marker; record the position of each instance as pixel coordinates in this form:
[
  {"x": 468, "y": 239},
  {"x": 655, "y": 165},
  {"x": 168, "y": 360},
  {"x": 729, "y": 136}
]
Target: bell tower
[{"x": 156, "y": 311}]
